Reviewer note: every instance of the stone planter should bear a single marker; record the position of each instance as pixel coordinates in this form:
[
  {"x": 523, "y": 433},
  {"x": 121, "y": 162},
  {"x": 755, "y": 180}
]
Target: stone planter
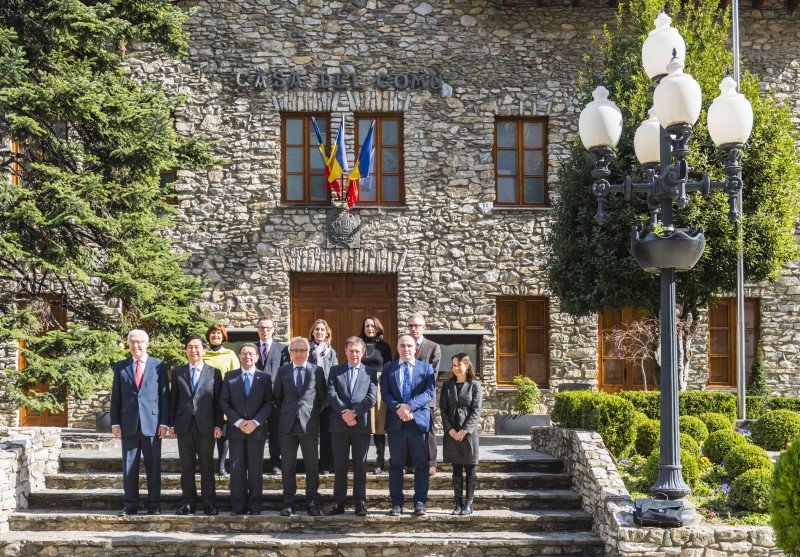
[
  {"x": 678, "y": 250},
  {"x": 102, "y": 422},
  {"x": 519, "y": 424}
]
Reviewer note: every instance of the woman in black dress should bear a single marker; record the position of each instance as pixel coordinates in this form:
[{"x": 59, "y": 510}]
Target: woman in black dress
[
  {"x": 376, "y": 354},
  {"x": 460, "y": 404}
]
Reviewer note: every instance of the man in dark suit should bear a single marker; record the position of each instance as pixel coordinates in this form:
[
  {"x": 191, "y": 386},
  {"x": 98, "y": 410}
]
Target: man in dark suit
[
  {"x": 300, "y": 393},
  {"x": 271, "y": 355},
  {"x": 407, "y": 386},
  {"x": 197, "y": 420},
  {"x": 140, "y": 416},
  {"x": 247, "y": 401},
  {"x": 427, "y": 351},
  {"x": 352, "y": 391}
]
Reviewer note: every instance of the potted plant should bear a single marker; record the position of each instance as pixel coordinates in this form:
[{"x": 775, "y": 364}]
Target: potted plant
[{"x": 526, "y": 398}]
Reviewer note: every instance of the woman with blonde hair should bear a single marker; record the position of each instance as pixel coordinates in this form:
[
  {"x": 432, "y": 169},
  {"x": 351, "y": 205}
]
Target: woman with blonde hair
[
  {"x": 225, "y": 360},
  {"x": 323, "y": 355}
]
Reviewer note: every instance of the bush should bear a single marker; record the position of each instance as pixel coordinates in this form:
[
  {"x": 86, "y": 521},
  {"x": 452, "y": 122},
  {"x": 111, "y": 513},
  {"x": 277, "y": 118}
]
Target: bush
[
  {"x": 750, "y": 491},
  {"x": 780, "y": 403},
  {"x": 647, "y": 402},
  {"x": 694, "y": 403},
  {"x": 639, "y": 417},
  {"x": 647, "y": 436},
  {"x": 775, "y": 430},
  {"x": 715, "y": 421},
  {"x": 691, "y": 468},
  {"x": 746, "y": 457},
  {"x": 689, "y": 444},
  {"x": 721, "y": 442},
  {"x": 785, "y": 500},
  {"x": 567, "y": 408},
  {"x": 611, "y": 417},
  {"x": 694, "y": 427},
  {"x": 758, "y": 387},
  {"x": 527, "y": 396}
]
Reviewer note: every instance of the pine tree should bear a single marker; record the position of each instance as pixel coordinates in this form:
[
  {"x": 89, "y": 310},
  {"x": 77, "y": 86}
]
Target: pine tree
[{"x": 84, "y": 224}]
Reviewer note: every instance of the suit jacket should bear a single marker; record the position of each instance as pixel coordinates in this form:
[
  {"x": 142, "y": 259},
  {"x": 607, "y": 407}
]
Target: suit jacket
[
  {"x": 203, "y": 404},
  {"x": 305, "y": 405},
  {"x": 430, "y": 352},
  {"x": 278, "y": 356},
  {"x": 422, "y": 389},
  {"x": 147, "y": 407},
  {"x": 239, "y": 406},
  {"x": 461, "y": 412},
  {"x": 364, "y": 395}
]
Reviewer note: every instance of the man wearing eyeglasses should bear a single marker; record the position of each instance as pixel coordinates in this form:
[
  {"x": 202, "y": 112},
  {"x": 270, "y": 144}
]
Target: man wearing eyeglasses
[
  {"x": 427, "y": 351},
  {"x": 271, "y": 355},
  {"x": 300, "y": 394}
]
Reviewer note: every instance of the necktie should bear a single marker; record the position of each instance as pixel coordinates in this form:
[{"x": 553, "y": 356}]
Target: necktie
[
  {"x": 139, "y": 374},
  {"x": 247, "y": 384},
  {"x": 416, "y": 352},
  {"x": 298, "y": 379},
  {"x": 352, "y": 379},
  {"x": 264, "y": 352},
  {"x": 195, "y": 378},
  {"x": 407, "y": 383}
]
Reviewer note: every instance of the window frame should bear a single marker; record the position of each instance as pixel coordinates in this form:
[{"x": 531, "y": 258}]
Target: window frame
[
  {"x": 378, "y": 143},
  {"x": 522, "y": 328},
  {"x": 520, "y": 150},
  {"x": 731, "y": 382},
  {"x": 306, "y": 172}
]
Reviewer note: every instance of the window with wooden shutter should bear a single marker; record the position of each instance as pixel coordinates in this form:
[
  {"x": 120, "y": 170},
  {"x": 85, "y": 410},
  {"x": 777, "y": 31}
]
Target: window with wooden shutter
[{"x": 523, "y": 340}]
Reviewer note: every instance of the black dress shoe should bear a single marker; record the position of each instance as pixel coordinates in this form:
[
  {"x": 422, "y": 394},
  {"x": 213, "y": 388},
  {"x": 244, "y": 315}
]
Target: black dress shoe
[
  {"x": 397, "y": 510},
  {"x": 313, "y": 509},
  {"x": 378, "y": 470},
  {"x": 334, "y": 509},
  {"x": 236, "y": 513},
  {"x": 361, "y": 510},
  {"x": 254, "y": 513},
  {"x": 419, "y": 509},
  {"x": 287, "y": 511},
  {"x": 185, "y": 509},
  {"x": 211, "y": 510},
  {"x": 155, "y": 510},
  {"x": 128, "y": 511}
]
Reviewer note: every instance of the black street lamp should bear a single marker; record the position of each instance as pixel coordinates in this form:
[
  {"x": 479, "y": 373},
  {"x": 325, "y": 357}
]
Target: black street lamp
[{"x": 661, "y": 147}]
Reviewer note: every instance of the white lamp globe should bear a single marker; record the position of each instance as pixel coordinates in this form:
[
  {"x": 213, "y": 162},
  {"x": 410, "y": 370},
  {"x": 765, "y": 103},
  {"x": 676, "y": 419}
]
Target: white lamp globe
[
  {"x": 730, "y": 116},
  {"x": 657, "y": 48},
  {"x": 647, "y": 140},
  {"x": 600, "y": 123},
  {"x": 677, "y": 99}
]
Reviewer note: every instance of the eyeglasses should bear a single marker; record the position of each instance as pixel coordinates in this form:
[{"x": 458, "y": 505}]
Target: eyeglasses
[
  {"x": 135, "y": 341},
  {"x": 415, "y": 325},
  {"x": 298, "y": 350}
]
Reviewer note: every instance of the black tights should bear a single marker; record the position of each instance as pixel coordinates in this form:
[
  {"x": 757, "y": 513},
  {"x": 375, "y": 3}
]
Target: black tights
[{"x": 468, "y": 469}]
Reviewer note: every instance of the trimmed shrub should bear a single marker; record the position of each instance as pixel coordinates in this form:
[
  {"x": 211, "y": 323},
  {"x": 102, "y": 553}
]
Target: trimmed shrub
[
  {"x": 746, "y": 457},
  {"x": 527, "y": 395},
  {"x": 694, "y": 427},
  {"x": 647, "y": 402},
  {"x": 775, "y": 430},
  {"x": 721, "y": 442},
  {"x": 611, "y": 417},
  {"x": 691, "y": 468},
  {"x": 639, "y": 417},
  {"x": 694, "y": 403},
  {"x": 689, "y": 444},
  {"x": 780, "y": 403},
  {"x": 785, "y": 500},
  {"x": 567, "y": 408},
  {"x": 647, "y": 436},
  {"x": 758, "y": 387},
  {"x": 750, "y": 491},
  {"x": 715, "y": 421}
]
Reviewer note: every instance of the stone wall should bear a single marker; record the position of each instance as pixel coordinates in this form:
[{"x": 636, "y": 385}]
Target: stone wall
[
  {"x": 26, "y": 456},
  {"x": 604, "y": 496}
]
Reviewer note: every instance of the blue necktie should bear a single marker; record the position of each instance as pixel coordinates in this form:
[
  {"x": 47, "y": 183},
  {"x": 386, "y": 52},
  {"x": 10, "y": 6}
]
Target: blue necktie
[
  {"x": 407, "y": 383},
  {"x": 298, "y": 380},
  {"x": 247, "y": 384},
  {"x": 195, "y": 379},
  {"x": 351, "y": 379}
]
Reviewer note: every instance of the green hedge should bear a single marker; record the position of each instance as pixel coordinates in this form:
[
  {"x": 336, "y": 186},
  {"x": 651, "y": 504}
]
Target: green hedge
[
  {"x": 647, "y": 436},
  {"x": 775, "y": 430},
  {"x": 715, "y": 422},
  {"x": 690, "y": 403},
  {"x": 746, "y": 457},
  {"x": 754, "y": 408},
  {"x": 786, "y": 500},
  {"x": 647, "y": 402},
  {"x": 610, "y": 416}
]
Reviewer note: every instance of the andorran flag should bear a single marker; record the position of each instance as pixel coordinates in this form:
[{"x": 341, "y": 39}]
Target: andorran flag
[
  {"x": 337, "y": 163},
  {"x": 362, "y": 167},
  {"x": 321, "y": 147}
]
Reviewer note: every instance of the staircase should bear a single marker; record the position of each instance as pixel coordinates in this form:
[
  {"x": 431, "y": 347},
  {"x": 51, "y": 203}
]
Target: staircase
[{"x": 524, "y": 505}]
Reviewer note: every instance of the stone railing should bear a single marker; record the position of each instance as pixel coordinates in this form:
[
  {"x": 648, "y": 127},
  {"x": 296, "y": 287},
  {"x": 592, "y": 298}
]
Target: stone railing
[
  {"x": 604, "y": 496},
  {"x": 27, "y": 455}
]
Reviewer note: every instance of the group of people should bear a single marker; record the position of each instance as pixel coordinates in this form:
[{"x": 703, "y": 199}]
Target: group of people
[{"x": 296, "y": 396}]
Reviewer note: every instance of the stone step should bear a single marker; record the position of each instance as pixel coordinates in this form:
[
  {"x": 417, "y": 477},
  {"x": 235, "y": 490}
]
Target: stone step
[
  {"x": 270, "y": 522},
  {"x": 87, "y": 440},
  {"x": 395, "y": 544},
  {"x": 513, "y": 499},
  {"x": 85, "y": 461},
  {"x": 442, "y": 480}
]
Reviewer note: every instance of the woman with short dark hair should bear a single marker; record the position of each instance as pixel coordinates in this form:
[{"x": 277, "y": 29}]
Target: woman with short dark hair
[{"x": 377, "y": 352}]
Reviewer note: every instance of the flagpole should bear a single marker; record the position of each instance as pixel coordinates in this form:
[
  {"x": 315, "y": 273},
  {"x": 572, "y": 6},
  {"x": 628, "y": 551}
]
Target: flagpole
[{"x": 740, "y": 355}]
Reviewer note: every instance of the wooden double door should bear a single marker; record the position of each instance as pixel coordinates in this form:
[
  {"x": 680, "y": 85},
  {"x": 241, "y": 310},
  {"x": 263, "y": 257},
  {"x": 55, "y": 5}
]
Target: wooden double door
[{"x": 343, "y": 300}]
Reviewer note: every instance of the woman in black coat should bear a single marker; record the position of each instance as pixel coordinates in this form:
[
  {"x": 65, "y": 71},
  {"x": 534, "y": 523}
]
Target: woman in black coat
[
  {"x": 460, "y": 405},
  {"x": 376, "y": 354}
]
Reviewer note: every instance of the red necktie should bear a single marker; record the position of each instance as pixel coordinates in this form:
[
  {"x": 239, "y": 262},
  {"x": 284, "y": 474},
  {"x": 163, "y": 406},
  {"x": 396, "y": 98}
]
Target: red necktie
[
  {"x": 416, "y": 352},
  {"x": 139, "y": 375},
  {"x": 264, "y": 352}
]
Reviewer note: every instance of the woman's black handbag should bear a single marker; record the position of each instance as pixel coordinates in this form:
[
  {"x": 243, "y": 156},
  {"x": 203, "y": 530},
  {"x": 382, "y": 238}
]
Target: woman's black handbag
[{"x": 657, "y": 512}]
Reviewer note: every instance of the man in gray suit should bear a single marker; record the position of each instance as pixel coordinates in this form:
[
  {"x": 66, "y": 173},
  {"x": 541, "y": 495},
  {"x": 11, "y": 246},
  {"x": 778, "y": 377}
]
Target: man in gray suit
[
  {"x": 197, "y": 420},
  {"x": 246, "y": 399},
  {"x": 430, "y": 352},
  {"x": 352, "y": 391},
  {"x": 140, "y": 416},
  {"x": 300, "y": 393},
  {"x": 271, "y": 355}
]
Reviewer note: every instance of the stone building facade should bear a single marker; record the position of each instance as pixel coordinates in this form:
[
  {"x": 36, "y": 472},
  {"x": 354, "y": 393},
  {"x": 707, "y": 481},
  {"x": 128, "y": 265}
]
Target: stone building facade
[{"x": 453, "y": 249}]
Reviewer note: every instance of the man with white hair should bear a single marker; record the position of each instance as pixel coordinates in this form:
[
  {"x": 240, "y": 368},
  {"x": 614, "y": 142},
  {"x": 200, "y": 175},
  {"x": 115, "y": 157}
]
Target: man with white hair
[{"x": 139, "y": 416}]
